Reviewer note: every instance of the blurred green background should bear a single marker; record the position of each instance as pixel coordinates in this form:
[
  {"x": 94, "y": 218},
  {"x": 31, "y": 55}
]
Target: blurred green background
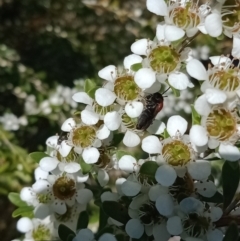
[{"x": 47, "y": 49}]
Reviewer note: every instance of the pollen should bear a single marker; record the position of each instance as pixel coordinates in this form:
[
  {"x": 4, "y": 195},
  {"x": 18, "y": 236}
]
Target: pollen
[
  {"x": 164, "y": 59},
  {"x": 221, "y": 124},
  {"x": 64, "y": 188},
  {"x": 176, "y": 153},
  {"x": 126, "y": 89},
  {"x": 83, "y": 136}
]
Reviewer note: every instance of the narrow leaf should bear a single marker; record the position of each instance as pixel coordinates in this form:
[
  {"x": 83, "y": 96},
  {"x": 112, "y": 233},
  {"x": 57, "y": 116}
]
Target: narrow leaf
[
  {"x": 136, "y": 67},
  {"x": 148, "y": 170},
  {"x": 92, "y": 91},
  {"x": 37, "y": 156},
  {"x": 26, "y": 211},
  {"x": 16, "y": 200},
  {"x": 230, "y": 179},
  {"x": 89, "y": 84},
  {"x": 216, "y": 198},
  {"x": 196, "y": 118},
  {"x": 117, "y": 138},
  {"x": 64, "y": 232},
  {"x": 83, "y": 220},
  {"x": 231, "y": 233}
]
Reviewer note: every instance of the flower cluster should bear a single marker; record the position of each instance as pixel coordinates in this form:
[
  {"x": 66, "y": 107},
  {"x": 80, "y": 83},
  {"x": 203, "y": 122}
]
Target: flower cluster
[{"x": 168, "y": 191}]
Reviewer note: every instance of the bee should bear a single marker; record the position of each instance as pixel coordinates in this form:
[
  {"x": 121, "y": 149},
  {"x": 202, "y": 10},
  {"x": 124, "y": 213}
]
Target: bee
[
  {"x": 62, "y": 137},
  {"x": 154, "y": 104}
]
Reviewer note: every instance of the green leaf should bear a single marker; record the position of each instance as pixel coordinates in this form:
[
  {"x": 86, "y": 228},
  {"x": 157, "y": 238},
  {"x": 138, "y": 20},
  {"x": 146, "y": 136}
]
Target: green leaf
[
  {"x": 120, "y": 154},
  {"x": 231, "y": 233},
  {"x": 86, "y": 168},
  {"x": 37, "y": 156},
  {"x": 165, "y": 134},
  {"x": 89, "y": 84},
  {"x": 92, "y": 91},
  {"x": 121, "y": 237},
  {"x": 230, "y": 179},
  {"x": 117, "y": 138},
  {"x": 216, "y": 198},
  {"x": 103, "y": 218},
  {"x": 16, "y": 200},
  {"x": 64, "y": 232},
  {"x": 26, "y": 211},
  {"x": 70, "y": 237},
  {"x": 116, "y": 211},
  {"x": 148, "y": 170},
  {"x": 136, "y": 67},
  {"x": 83, "y": 220},
  {"x": 196, "y": 118}
]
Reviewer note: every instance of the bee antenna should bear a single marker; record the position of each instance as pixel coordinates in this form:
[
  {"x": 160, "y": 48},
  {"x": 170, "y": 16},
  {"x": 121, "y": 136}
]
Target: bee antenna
[
  {"x": 165, "y": 96},
  {"x": 165, "y": 91}
]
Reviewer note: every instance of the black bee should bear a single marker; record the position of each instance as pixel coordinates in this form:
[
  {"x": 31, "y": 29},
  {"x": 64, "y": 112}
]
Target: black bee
[
  {"x": 154, "y": 104},
  {"x": 62, "y": 137}
]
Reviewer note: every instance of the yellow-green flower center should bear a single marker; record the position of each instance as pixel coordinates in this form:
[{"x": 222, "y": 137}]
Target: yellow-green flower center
[
  {"x": 226, "y": 80},
  {"x": 129, "y": 122},
  {"x": 43, "y": 198},
  {"x": 104, "y": 159},
  {"x": 125, "y": 88},
  {"x": 184, "y": 18},
  {"x": 69, "y": 158},
  {"x": 231, "y": 18},
  {"x": 83, "y": 136},
  {"x": 164, "y": 59},
  {"x": 196, "y": 225},
  {"x": 41, "y": 233},
  {"x": 101, "y": 110},
  {"x": 176, "y": 153},
  {"x": 64, "y": 188},
  {"x": 221, "y": 124}
]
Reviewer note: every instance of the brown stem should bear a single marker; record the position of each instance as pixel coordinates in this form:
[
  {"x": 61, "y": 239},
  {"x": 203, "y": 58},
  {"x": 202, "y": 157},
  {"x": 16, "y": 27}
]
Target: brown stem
[
  {"x": 188, "y": 41},
  {"x": 225, "y": 221}
]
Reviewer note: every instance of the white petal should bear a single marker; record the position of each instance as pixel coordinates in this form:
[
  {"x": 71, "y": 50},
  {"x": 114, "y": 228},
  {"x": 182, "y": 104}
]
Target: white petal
[
  {"x": 24, "y": 225},
  {"x": 196, "y": 69},
  {"x": 40, "y": 174},
  {"x": 160, "y": 33},
  {"x": 157, "y": 127},
  {"x": 134, "y": 109},
  {"x": 160, "y": 232},
  {"x": 145, "y": 78},
  {"x": 103, "y": 177},
  {"x": 202, "y": 106},
  {"x": 42, "y": 211},
  {"x": 156, "y": 86},
  {"x": 213, "y": 24},
  {"x": 130, "y": 60},
  {"x": 214, "y": 235},
  {"x": 191, "y": 32},
  {"x": 174, "y": 225},
  {"x": 103, "y": 133},
  {"x": 127, "y": 163},
  {"x": 64, "y": 149},
  {"x": 191, "y": 205},
  {"x": 173, "y": 33},
  {"x": 158, "y": 7},
  {"x": 179, "y": 81},
  {"x": 205, "y": 188},
  {"x": 104, "y": 97},
  {"x": 213, "y": 143},
  {"x": 40, "y": 186},
  {"x": 215, "y": 96},
  {"x": 176, "y": 124},
  {"x": 68, "y": 124},
  {"x": 165, "y": 175},
  {"x": 229, "y": 152},
  {"x": 84, "y": 235},
  {"x": 48, "y": 163},
  {"x": 216, "y": 60},
  {"x": 107, "y": 237},
  {"x": 156, "y": 191},
  {"x": 199, "y": 170},
  {"x": 134, "y": 228},
  {"x": 198, "y": 135},
  {"x": 109, "y": 196},
  {"x": 130, "y": 188},
  {"x": 84, "y": 196},
  {"x": 108, "y": 73},
  {"x": 89, "y": 117},
  {"x": 118, "y": 185},
  {"x": 140, "y": 46},
  {"x": 165, "y": 205},
  {"x": 90, "y": 155},
  {"x": 52, "y": 141},
  {"x": 112, "y": 120},
  {"x": 59, "y": 207},
  {"x": 82, "y": 97},
  {"x": 151, "y": 145},
  {"x": 72, "y": 167},
  {"x": 131, "y": 139},
  {"x": 236, "y": 47},
  {"x": 216, "y": 213},
  {"x": 81, "y": 177},
  {"x": 26, "y": 194}
]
